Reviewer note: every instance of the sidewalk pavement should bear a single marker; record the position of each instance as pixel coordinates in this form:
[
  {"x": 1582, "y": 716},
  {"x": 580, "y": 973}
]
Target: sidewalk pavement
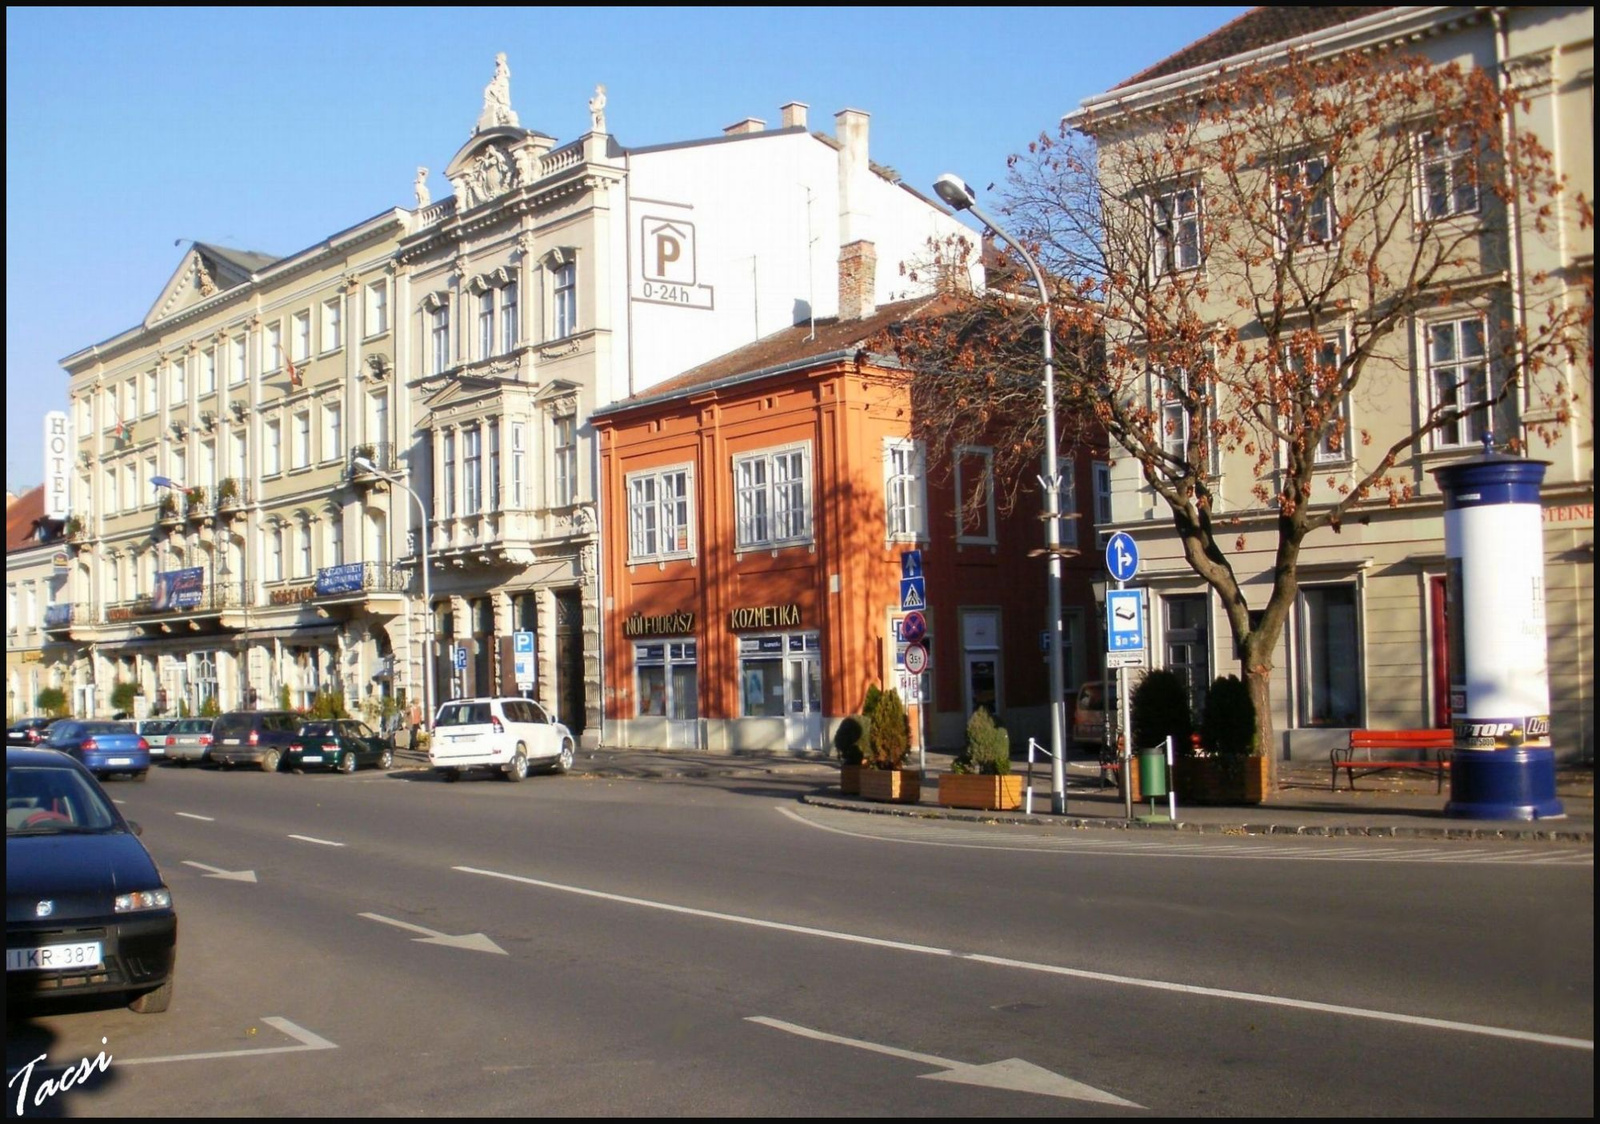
[{"x": 1386, "y": 805}]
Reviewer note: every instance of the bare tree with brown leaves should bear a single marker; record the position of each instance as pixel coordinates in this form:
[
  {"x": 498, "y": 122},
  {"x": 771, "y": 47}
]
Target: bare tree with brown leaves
[{"x": 1233, "y": 269}]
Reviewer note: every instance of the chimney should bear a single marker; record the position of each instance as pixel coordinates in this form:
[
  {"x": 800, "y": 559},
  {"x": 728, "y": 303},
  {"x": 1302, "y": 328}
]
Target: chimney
[
  {"x": 748, "y": 125},
  {"x": 794, "y": 115},
  {"x": 858, "y": 257}
]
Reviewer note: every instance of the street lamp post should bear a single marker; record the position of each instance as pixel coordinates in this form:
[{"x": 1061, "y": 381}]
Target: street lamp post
[
  {"x": 958, "y": 195},
  {"x": 429, "y": 655}
]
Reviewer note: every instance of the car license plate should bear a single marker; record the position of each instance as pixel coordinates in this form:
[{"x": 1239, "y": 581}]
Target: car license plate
[
  {"x": 312, "y": 758},
  {"x": 121, "y": 761},
  {"x": 231, "y": 741},
  {"x": 55, "y": 956}
]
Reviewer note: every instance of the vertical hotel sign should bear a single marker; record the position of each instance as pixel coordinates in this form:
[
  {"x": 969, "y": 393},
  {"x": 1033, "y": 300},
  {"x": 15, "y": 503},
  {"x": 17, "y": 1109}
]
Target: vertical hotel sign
[{"x": 57, "y": 465}]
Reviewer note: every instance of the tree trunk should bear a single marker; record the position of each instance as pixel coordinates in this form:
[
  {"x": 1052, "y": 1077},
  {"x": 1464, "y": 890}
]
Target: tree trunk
[{"x": 1258, "y": 681}]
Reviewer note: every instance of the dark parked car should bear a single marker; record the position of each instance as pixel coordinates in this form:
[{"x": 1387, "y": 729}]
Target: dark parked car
[
  {"x": 87, "y": 910},
  {"x": 344, "y": 744},
  {"x": 189, "y": 740},
  {"x": 253, "y": 737},
  {"x": 103, "y": 747},
  {"x": 28, "y": 731}
]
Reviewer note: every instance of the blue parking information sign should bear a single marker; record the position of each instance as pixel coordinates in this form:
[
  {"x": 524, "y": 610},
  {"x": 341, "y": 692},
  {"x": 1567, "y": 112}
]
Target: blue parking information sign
[
  {"x": 1124, "y": 620},
  {"x": 461, "y": 657}
]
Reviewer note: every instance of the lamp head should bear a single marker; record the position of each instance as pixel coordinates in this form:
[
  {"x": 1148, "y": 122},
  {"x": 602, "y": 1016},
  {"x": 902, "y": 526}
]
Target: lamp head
[
  {"x": 364, "y": 465},
  {"x": 954, "y": 191}
]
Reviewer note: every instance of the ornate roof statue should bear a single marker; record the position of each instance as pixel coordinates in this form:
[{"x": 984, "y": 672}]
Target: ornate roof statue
[
  {"x": 497, "y": 98},
  {"x": 597, "y": 109},
  {"x": 423, "y": 195}
]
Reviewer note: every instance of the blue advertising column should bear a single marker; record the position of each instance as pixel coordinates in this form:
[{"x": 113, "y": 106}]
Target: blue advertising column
[{"x": 1502, "y": 767}]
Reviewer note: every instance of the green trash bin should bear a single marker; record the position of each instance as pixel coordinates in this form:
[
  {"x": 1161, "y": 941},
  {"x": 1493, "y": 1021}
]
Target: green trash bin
[{"x": 1153, "y": 772}]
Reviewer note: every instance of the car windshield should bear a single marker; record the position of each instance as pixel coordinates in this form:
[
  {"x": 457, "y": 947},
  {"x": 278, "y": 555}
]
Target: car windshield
[
  {"x": 54, "y": 800},
  {"x": 319, "y": 730},
  {"x": 192, "y": 726}
]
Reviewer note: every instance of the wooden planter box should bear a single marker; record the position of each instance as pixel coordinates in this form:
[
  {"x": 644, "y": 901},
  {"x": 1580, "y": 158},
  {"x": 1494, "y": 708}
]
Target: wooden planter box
[
  {"x": 893, "y": 786},
  {"x": 850, "y": 780},
  {"x": 1221, "y": 780},
  {"x": 984, "y": 791}
]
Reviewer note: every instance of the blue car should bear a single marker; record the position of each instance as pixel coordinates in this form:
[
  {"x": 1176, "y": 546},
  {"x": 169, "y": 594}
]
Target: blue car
[
  {"x": 87, "y": 911},
  {"x": 103, "y": 748}
]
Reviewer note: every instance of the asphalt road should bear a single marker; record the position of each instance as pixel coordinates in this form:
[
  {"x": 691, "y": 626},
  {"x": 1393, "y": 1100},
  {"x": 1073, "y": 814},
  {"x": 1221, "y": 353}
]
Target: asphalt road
[{"x": 712, "y": 947}]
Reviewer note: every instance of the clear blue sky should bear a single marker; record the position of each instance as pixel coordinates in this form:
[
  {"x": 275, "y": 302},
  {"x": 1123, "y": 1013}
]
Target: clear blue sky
[{"x": 128, "y": 130}]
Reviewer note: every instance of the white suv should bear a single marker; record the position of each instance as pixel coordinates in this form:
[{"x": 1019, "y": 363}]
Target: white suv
[{"x": 507, "y": 734}]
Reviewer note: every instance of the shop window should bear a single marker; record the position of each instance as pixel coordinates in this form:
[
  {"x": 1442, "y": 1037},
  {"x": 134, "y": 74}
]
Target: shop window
[
  {"x": 667, "y": 679},
  {"x": 1329, "y": 641}
]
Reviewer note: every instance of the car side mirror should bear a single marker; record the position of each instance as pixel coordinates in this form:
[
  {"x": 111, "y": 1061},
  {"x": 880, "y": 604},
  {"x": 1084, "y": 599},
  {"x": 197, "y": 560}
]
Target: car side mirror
[{"x": 133, "y": 826}]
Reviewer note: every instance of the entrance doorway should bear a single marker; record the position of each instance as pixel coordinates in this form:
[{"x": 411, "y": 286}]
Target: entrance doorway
[
  {"x": 570, "y": 700},
  {"x": 802, "y": 716}
]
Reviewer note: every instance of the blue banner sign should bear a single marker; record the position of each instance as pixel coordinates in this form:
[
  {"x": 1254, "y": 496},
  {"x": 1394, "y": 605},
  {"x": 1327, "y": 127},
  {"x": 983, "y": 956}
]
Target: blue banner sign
[
  {"x": 340, "y": 579},
  {"x": 178, "y": 589}
]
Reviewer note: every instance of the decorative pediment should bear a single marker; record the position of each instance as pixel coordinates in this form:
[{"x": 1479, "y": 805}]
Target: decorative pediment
[
  {"x": 202, "y": 272},
  {"x": 462, "y": 391},
  {"x": 434, "y": 301}
]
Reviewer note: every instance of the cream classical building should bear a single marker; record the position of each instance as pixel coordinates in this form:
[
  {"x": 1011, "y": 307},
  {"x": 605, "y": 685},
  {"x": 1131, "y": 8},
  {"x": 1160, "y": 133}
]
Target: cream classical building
[
  {"x": 458, "y": 348},
  {"x": 1366, "y": 644}
]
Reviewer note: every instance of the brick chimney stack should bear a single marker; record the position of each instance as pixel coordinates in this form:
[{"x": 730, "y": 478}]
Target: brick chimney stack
[
  {"x": 858, "y": 257},
  {"x": 748, "y": 125},
  {"x": 794, "y": 114}
]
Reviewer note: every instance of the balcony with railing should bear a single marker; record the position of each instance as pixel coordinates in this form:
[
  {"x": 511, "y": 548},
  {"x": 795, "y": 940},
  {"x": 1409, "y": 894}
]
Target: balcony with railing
[
  {"x": 233, "y": 495},
  {"x": 198, "y": 599}
]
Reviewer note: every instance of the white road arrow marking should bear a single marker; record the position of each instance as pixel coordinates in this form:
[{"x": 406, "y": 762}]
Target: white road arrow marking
[
  {"x": 472, "y": 942},
  {"x": 218, "y": 872},
  {"x": 1012, "y": 1073}
]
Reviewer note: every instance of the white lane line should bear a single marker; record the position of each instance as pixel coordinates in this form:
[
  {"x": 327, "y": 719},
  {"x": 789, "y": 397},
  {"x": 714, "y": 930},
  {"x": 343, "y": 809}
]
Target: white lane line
[
  {"x": 314, "y": 839},
  {"x": 1051, "y": 969},
  {"x": 306, "y": 1040},
  {"x": 192, "y": 816}
]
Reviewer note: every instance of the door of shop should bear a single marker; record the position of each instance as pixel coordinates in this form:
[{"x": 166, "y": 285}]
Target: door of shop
[{"x": 802, "y": 712}]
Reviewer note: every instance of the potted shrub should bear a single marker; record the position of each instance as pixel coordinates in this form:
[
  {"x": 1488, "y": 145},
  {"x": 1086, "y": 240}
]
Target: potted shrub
[
  {"x": 228, "y": 494},
  {"x": 1160, "y": 709},
  {"x": 850, "y": 742},
  {"x": 888, "y": 740},
  {"x": 167, "y": 509},
  {"x": 1229, "y": 770},
  {"x": 981, "y": 776}
]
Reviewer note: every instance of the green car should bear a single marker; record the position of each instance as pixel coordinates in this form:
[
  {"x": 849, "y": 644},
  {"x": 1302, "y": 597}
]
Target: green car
[{"x": 344, "y": 744}]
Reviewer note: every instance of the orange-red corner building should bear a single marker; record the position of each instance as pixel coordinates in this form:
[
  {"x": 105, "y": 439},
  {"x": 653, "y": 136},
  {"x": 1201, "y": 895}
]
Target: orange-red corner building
[{"x": 757, "y": 512}]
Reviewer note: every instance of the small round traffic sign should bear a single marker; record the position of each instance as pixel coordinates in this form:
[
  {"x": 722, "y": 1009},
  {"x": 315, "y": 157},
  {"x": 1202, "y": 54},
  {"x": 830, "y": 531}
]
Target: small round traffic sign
[
  {"x": 913, "y": 627},
  {"x": 916, "y": 659}
]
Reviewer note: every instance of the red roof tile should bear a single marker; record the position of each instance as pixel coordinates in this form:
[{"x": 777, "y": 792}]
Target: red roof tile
[
  {"x": 1257, "y": 28},
  {"x": 21, "y": 519}
]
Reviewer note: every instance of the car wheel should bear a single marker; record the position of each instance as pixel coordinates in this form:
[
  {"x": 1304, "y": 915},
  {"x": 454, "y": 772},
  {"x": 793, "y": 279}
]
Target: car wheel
[
  {"x": 517, "y": 767},
  {"x": 565, "y": 758},
  {"x": 153, "y": 1002},
  {"x": 451, "y": 776},
  {"x": 386, "y": 761},
  {"x": 142, "y": 775},
  {"x": 270, "y": 763},
  {"x": 347, "y": 762}
]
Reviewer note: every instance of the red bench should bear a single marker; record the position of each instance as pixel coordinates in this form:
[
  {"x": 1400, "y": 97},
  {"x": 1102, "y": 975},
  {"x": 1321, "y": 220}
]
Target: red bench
[{"x": 1424, "y": 749}]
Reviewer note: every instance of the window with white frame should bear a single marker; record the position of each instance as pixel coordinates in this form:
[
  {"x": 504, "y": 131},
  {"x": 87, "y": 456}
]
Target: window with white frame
[
  {"x": 975, "y": 494},
  {"x": 180, "y": 388},
  {"x": 1458, "y": 375},
  {"x": 130, "y": 400},
  {"x": 332, "y": 431},
  {"x": 130, "y": 474},
  {"x": 1175, "y": 214},
  {"x": 494, "y": 465},
  {"x": 208, "y": 371},
  {"x": 114, "y": 580},
  {"x": 518, "y": 466},
  {"x": 667, "y": 679},
  {"x": 239, "y": 369},
  {"x": 1070, "y": 515},
  {"x": 566, "y": 461},
  {"x": 150, "y": 498},
  {"x": 333, "y": 324},
  {"x": 1449, "y": 173},
  {"x": 448, "y": 510},
  {"x": 275, "y": 553},
  {"x": 439, "y": 318},
  {"x": 1305, "y": 203},
  {"x": 472, "y": 471},
  {"x": 485, "y": 323},
  {"x": 302, "y": 336},
  {"x": 1333, "y": 446},
  {"x": 658, "y": 514},
  {"x": 772, "y": 497},
  {"x": 1102, "y": 493},
  {"x": 508, "y": 317},
  {"x": 302, "y": 439},
  {"x": 377, "y": 308},
  {"x": 272, "y": 452},
  {"x": 378, "y": 416},
  {"x": 151, "y": 392},
  {"x": 178, "y": 459},
  {"x": 1176, "y": 420},
  {"x": 336, "y": 540},
  {"x": 274, "y": 347},
  {"x": 565, "y": 304},
  {"x": 905, "y": 489},
  {"x": 208, "y": 465},
  {"x": 303, "y": 556},
  {"x": 238, "y": 462}
]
